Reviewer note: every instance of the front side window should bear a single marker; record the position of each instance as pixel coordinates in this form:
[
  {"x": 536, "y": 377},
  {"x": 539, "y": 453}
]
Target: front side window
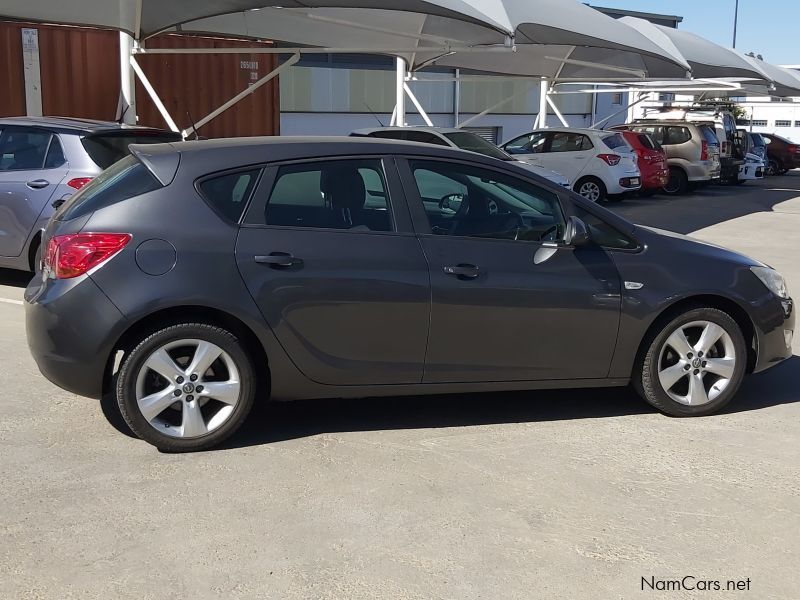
[
  {"x": 23, "y": 149},
  {"x": 532, "y": 143},
  {"x": 570, "y": 142},
  {"x": 467, "y": 201},
  {"x": 654, "y": 131},
  {"x": 342, "y": 194}
]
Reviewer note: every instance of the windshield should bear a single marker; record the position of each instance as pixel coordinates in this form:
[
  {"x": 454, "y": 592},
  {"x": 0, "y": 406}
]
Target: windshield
[
  {"x": 475, "y": 143},
  {"x": 107, "y": 148}
]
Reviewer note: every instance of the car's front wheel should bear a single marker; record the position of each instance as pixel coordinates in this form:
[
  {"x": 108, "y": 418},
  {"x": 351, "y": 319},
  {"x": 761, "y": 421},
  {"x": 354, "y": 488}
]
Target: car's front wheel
[
  {"x": 186, "y": 387},
  {"x": 694, "y": 364}
]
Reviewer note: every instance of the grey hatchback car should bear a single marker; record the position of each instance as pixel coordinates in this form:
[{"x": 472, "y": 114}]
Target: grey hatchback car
[
  {"x": 45, "y": 159},
  {"x": 218, "y": 272}
]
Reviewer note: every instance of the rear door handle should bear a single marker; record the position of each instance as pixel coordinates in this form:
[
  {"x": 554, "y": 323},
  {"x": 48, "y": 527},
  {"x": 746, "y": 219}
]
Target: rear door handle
[
  {"x": 463, "y": 272},
  {"x": 38, "y": 184},
  {"x": 279, "y": 260}
]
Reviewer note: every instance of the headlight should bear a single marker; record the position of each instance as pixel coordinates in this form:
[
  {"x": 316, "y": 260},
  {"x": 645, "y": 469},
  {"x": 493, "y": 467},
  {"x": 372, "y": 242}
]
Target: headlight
[{"x": 773, "y": 280}]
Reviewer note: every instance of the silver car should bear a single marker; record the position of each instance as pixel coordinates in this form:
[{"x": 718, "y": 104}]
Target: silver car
[{"x": 43, "y": 160}]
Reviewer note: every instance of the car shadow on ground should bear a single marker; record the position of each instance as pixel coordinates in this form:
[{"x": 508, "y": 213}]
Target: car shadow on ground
[
  {"x": 281, "y": 421},
  {"x": 19, "y": 279},
  {"x": 709, "y": 205}
]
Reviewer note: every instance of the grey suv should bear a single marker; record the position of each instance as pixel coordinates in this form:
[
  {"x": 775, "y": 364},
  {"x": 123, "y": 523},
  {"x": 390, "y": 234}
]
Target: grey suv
[
  {"x": 692, "y": 149},
  {"x": 220, "y": 272},
  {"x": 45, "y": 159}
]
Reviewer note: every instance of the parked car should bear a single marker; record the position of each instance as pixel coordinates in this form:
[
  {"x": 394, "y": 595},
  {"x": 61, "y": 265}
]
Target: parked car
[
  {"x": 600, "y": 163},
  {"x": 723, "y": 125},
  {"x": 782, "y": 154},
  {"x": 221, "y": 272},
  {"x": 692, "y": 152},
  {"x": 44, "y": 159},
  {"x": 652, "y": 161},
  {"x": 754, "y": 165},
  {"x": 756, "y": 145},
  {"x": 457, "y": 138}
]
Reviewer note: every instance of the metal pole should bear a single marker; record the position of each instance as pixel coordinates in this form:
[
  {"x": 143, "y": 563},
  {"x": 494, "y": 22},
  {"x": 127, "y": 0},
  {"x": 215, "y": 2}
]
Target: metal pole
[
  {"x": 127, "y": 81},
  {"x": 735, "y": 22},
  {"x": 148, "y": 87},
  {"x": 418, "y": 106},
  {"x": 400, "y": 92},
  {"x": 543, "y": 104},
  {"x": 457, "y": 98}
]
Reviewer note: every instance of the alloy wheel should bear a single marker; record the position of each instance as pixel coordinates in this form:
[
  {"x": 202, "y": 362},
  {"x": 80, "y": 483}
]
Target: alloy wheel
[
  {"x": 696, "y": 363},
  {"x": 188, "y": 388},
  {"x": 590, "y": 190}
]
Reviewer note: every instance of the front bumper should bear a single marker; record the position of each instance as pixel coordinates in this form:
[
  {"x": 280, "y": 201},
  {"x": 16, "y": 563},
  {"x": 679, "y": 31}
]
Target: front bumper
[
  {"x": 71, "y": 326},
  {"x": 774, "y": 333}
]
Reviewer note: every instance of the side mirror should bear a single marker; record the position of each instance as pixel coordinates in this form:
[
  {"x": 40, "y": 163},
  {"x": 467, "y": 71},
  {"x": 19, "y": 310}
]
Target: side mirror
[{"x": 577, "y": 232}]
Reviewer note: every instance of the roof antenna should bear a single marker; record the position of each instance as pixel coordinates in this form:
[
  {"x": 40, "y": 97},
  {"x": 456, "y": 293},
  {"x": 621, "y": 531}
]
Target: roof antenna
[
  {"x": 372, "y": 112},
  {"x": 194, "y": 128}
]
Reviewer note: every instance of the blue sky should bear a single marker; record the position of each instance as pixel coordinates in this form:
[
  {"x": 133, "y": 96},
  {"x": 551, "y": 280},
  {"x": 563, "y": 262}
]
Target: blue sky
[{"x": 766, "y": 27}]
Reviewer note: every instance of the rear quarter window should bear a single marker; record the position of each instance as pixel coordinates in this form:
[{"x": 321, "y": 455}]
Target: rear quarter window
[
  {"x": 124, "y": 180},
  {"x": 228, "y": 194},
  {"x": 616, "y": 141}
]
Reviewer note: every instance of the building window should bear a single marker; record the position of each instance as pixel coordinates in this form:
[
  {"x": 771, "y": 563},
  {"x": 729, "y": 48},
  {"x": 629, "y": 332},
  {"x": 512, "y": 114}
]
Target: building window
[
  {"x": 665, "y": 97},
  {"x": 797, "y": 123},
  {"x": 758, "y": 123},
  {"x": 783, "y": 123},
  {"x": 616, "y": 98}
]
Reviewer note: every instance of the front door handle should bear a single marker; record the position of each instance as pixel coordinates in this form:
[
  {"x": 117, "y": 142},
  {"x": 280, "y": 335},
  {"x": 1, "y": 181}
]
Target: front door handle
[
  {"x": 279, "y": 260},
  {"x": 463, "y": 272},
  {"x": 38, "y": 184}
]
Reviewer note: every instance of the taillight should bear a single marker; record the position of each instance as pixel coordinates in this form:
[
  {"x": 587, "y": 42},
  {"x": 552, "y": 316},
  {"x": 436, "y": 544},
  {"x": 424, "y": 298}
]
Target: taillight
[
  {"x": 704, "y": 150},
  {"x": 78, "y": 182},
  {"x": 794, "y": 148},
  {"x": 72, "y": 255},
  {"x": 610, "y": 159}
]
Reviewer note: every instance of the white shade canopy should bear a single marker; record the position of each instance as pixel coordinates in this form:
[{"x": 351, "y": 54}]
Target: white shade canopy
[{"x": 707, "y": 59}]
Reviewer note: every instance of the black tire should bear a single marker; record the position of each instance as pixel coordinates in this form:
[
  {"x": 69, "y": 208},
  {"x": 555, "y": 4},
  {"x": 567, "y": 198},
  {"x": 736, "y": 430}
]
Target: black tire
[
  {"x": 584, "y": 183},
  {"x": 678, "y": 182},
  {"x": 773, "y": 167},
  {"x": 646, "y": 379},
  {"x": 135, "y": 362},
  {"x": 35, "y": 254}
]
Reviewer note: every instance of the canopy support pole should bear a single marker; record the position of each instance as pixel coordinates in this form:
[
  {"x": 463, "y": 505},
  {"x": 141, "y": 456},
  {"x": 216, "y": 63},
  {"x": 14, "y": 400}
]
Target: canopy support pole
[
  {"x": 243, "y": 94},
  {"x": 542, "y": 118},
  {"x": 457, "y": 98},
  {"x": 153, "y": 95},
  {"x": 127, "y": 83},
  {"x": 417, "y": 105},
  {"x": 400, "y": 92},
  {"x": 558, "y": 112}
]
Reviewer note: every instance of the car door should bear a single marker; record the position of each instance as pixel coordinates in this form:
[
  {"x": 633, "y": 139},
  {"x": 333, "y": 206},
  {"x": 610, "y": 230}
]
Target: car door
[
  {"x": 328, "y": 253},
  {"x": 568, "y": 153},
  {"x": 511, "y": 302},
  {"x": 32, "y": 166}
]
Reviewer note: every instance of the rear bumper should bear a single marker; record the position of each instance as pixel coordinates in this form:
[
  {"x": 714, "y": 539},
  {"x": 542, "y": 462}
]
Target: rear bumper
[
  {"x": 775, "y": 333},
  {"x": 655, "y": 179},
  {"x": 70, "y": 328}
]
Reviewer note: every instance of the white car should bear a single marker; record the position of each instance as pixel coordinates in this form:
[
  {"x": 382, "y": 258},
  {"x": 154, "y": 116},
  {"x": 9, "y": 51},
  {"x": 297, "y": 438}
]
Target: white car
[
  {"x": 600, "y": 163},
  {"x": 463, "y": 140}
]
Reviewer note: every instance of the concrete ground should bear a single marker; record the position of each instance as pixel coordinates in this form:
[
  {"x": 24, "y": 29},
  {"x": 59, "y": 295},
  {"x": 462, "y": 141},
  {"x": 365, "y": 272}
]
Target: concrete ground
[{"x": 567, "y": 494}]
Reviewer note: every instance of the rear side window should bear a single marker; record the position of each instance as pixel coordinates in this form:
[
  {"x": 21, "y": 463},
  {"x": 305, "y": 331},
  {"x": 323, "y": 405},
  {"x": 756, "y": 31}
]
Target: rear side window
[
  {"x": 342, "y": 194},
  {"x": 107, "y": 148},
  {"x": 124, "y": 180},
  {"x": 603, "y": 234},
  {"x": 676, "y": 135},
  {"x": 616, "y": 141},
  {"x": 228, "y": 194},
  {"x": 55, "y": 155},
  {"x": 23, "y": 149},
  {"x": 569, "y": 142}
]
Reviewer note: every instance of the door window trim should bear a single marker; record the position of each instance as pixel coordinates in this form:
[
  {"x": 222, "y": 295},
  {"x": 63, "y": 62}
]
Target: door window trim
[{"x": 396, "y": 203}]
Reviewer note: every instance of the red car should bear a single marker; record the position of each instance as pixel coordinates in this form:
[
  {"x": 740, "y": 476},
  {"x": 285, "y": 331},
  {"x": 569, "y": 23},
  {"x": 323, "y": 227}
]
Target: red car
[{"x": 652, "y": 161}]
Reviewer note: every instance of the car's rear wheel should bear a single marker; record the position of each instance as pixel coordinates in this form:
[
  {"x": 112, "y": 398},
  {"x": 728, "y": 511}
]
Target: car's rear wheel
[
  {"x": 591, "y": 188},
  {"x": 694, "y": 364},
  {"x": 186, "y": 387},
  {"x": 678, "y": 182},
  {"x": 773, "y": 168}
]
